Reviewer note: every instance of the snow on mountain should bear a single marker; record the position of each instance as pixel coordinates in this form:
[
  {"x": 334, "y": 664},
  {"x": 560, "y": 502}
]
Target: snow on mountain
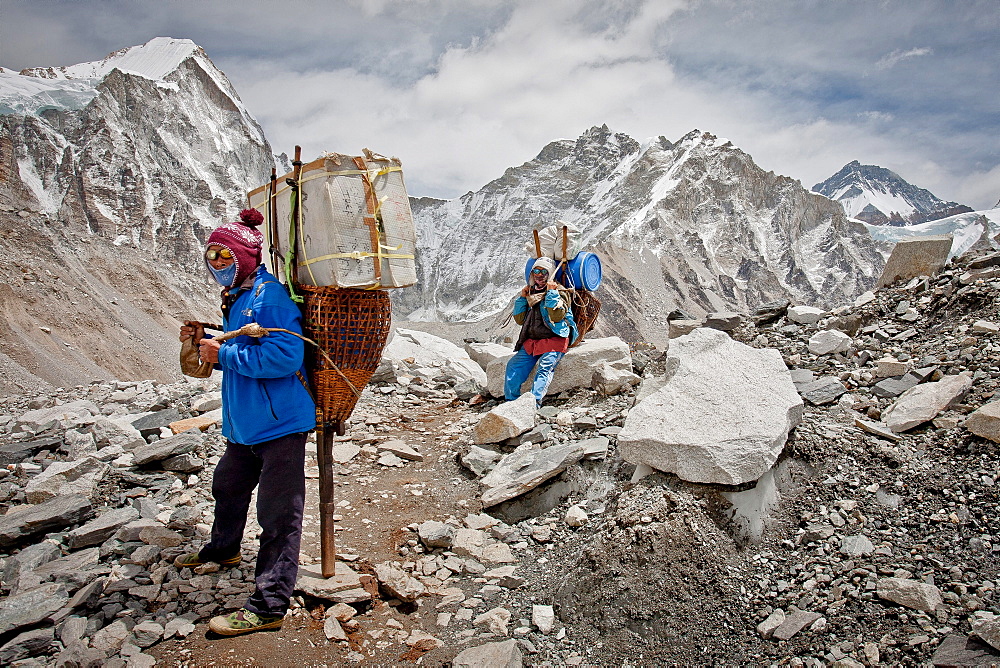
[
  {"x": 156, "y": 121},
  {"x": 877, "y": 195},
  {"x": 967, "y": 229},
  {"x": 38, "y": 89},
  {"x": 694, "y": 225},
  {"x": 154, "y": 60},
  {"x": 117, "y": 170},
  {"x": 20, "y": 94}
]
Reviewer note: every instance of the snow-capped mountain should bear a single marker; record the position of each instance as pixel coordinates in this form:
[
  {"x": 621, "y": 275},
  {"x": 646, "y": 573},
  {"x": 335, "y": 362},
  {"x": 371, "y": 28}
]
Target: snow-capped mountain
[
  {"x": 116, "y": 170},
  {"x": 151, "y": 139},
  {"x": 879, "y": 196},
  {"x": 113, "y": 173},
  {"x": 692, "y": 224}
]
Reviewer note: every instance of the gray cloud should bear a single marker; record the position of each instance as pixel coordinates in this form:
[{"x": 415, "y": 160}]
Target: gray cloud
[{"x": 460, "y": 90}]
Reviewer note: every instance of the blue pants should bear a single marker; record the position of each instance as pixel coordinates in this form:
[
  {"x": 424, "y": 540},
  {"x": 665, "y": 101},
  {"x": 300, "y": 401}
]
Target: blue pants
[
  {"x": 519, "y": 368},
  {"x": 278, "y": 467}
]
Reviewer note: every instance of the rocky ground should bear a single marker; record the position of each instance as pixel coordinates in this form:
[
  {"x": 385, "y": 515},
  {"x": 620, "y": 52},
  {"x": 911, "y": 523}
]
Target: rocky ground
[{"x": 862, "y": 546}]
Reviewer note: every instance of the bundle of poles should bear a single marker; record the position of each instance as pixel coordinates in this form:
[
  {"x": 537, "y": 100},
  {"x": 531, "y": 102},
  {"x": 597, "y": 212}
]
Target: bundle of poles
[{"x": 350, "y": 328}]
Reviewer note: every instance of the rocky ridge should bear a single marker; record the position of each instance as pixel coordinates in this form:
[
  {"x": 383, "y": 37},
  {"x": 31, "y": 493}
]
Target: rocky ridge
[{"x": 863, "y": 545}]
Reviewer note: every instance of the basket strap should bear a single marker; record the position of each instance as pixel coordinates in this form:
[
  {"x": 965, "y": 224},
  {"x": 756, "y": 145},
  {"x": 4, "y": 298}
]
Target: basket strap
[
  {"x": 302, "y": 379},
  {"x": 371, "y": 220}
]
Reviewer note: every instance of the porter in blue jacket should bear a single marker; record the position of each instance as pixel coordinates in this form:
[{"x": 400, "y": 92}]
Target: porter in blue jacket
[
  {"x": 547, "y": 331},
  {"x": 267, "y": 414}
]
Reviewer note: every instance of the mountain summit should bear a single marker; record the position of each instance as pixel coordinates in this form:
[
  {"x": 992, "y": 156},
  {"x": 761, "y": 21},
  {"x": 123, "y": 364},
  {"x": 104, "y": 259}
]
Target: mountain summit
[
  {"x": 693, "y": 224},
  {"x": 112, "y": 174},
  {"x": 879, "y": 196}
]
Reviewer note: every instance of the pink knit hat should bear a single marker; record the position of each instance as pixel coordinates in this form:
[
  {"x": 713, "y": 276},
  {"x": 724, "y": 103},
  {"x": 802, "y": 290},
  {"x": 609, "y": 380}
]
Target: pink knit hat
[{"x": 243, "y": 240}]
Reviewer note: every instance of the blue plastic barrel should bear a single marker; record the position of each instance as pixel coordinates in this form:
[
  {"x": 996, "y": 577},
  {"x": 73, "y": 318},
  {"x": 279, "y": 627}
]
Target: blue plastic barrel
[{"x": 584, "y": 271}]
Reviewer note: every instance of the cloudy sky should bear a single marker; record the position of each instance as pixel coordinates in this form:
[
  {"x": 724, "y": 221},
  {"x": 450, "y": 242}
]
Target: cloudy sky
[{"x": 462, "y": 89}]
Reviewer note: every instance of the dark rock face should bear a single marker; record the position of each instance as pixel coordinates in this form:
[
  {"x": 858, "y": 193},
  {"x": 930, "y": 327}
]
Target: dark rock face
[
  {"x": 12, "y": 453},
  {"x": 168, "y": 447},
  {"x": 25, "y": 522}
]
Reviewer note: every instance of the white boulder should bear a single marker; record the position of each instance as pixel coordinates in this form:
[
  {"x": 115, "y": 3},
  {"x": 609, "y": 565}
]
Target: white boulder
[
  {"x": 65, "y": 478},
  {"x": 491, "y": 655},
  {"x": 576, "y": 369},
  {"x": 422, "y": 350},
  {"x": 828, "y": 342},
  {"x": 495, "y": 621},
  {"x": 890, "y": 367},
  {"x": 525, "y": 469},
  {"x": 575, "y": 516},
  {"x": 985, "y": 422},
  {"x": 543, "y": 617},
  {"x": 397, "y": 582},
  {"x": 910, "y": 593},
  {"x": 988, "y": 628},
  {"x": 509, "y": 419},
  {"x": 804, "y": 315},
  {"x": 923, "y": 402},
  {"x": 75, "y": 412},
  {"x": 609, "y": 380},
  {"x": 111, "y": 432},
  {"x": 722, "y": 417},
  {"x": 484, "y": 353}
]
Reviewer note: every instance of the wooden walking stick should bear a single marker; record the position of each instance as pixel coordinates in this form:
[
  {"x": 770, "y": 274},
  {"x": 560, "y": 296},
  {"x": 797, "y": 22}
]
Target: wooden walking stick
[
  {"x": 327, "y": 530},
  {"x": 563, "y": 265},
  {"x": 296, "y": 201}
]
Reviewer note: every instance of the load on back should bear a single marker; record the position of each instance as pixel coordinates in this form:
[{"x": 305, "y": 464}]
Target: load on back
[
  {"x": 340, "y": 233},
  {"x": 578, "y": 271},
  {"x": 343, "y": 221}
]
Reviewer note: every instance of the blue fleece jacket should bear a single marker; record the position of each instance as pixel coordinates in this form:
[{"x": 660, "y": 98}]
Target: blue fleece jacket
[{"x": 262, "y": 397}]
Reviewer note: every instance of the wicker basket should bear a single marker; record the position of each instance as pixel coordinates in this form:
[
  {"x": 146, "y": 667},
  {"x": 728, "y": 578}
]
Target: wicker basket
[{"x": 352, "y": 326}]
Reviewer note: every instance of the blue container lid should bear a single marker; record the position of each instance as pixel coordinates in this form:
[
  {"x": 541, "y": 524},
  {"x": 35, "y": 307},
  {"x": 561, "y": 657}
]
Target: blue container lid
[
  {"x": 590, "y": 271},
  {"x": 584, "y": 271}
]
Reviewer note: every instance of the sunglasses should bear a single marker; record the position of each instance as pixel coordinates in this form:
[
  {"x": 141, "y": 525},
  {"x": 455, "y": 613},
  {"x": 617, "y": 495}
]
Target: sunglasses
[
  {"x": 224, "y": 253},
  {"x": 539, "y": 272}
]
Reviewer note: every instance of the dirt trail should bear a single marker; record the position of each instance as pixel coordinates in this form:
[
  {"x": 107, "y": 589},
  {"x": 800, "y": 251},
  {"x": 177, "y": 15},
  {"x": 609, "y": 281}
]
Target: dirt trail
[{"x": 374, "y": 504}]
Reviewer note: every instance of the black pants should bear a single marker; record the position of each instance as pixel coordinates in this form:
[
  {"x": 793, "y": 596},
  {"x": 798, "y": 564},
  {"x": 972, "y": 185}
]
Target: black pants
[{"x": 278, "y": 468}]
